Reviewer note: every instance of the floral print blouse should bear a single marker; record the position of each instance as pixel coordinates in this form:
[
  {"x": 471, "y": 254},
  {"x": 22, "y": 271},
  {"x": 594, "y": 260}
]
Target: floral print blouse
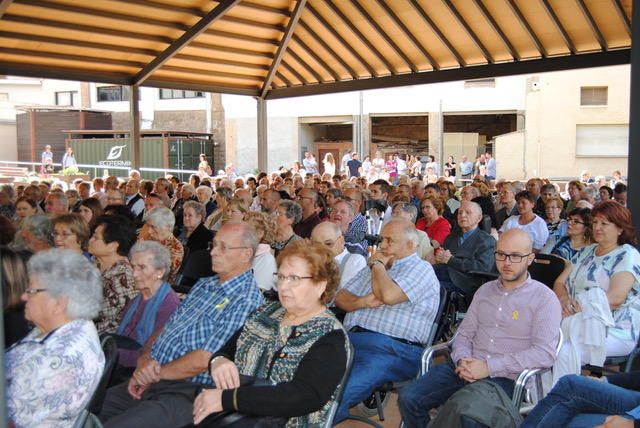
[{"x": 51, "y": 379}]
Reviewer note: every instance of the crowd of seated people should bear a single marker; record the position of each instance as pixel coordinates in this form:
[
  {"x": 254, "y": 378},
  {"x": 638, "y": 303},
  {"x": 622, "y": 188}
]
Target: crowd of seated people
[{"x": 254, "y": 336}]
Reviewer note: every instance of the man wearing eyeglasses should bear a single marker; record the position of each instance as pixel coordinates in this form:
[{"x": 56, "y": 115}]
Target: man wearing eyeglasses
[
  {"x": 512, "y": 324},
  {"x": 330, "y": 235},
  {"x": 173, "y": 363},
  {"x": 308, "y": 200},
  {"x": 390, "y": 309}
]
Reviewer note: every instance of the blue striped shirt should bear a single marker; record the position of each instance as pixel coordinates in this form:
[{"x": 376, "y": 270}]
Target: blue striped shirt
[
  {"x": 410, "y": 320},
  {"x": 209, "y": 316}
]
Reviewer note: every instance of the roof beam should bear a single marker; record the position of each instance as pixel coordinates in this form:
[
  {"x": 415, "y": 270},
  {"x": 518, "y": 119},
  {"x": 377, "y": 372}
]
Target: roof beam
[
  {"x": 621, "y": 13},
  {"x": 202, "y": 87},
  {"x": 70, "y": 57},
  {"x": 282, "y": 48},
  {"x": 494, "y": 25},
  {"x": 443, "y": 39},
  {"x": 556, "y": 22},
  {"x": 541, "y": 65},
  {"x": 385, "y": 36},
  {"x": 295, "y": 72},
  {"x": 86, "y": 28},
  {"x": 303, "y": 63},
  {"x": 329, "y": 49},
  {"x": 361, "y": 37},
  {"x": 525, "y": 24},
  {"x": 179, "y": 43},
  {"x": 342, "y": 41},
  {"x": 315, "y": 56},
  {"x": 284, "y": 79},
  {"x": 77, "y": 43},
  {"x": 472, "y": 35},
  {"x": 211, "y": 73},
  {"x": 51, "y": 72},
  {"x": 592, "y": 24},
  {"x": 4, "y": 5}
]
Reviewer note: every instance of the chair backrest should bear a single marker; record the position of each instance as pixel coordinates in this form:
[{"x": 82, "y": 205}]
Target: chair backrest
[
  {"x": 197, "y": 265},
  {"x": 546, "y": 268},
  {"x": 439, "y": 322},
  {"x": 485, "y": 223},
  {"x": 110, "y": 349},
  {"x": 343, "y": 383}
]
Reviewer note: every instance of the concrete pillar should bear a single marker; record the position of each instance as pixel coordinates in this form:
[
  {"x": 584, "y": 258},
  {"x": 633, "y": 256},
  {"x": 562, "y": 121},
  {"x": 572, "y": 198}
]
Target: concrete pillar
[
  {"x": 218, "y": 129},
  {"x": 366, "y": 136},
  {"x": 134, "y": 119},
  {"x": 633, "y": 172},
  {"x": 436, "y": 128},
  {"x": 263, "y": 160}
]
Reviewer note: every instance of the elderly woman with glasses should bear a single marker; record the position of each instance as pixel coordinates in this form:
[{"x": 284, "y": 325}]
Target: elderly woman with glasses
[
  {"x": 52, "y": 373},
  {"x": 556, "y": 225},
  {"x": 288, "y": 214},
  {"x": 295, "y": 348},
  {"x": 148, "y": 311},
  {"x": 160, "y": 223}
]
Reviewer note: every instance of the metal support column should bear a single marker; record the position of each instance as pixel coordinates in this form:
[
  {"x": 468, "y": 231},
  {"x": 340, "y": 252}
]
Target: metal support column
[
  {"x": 134, "y": 110},
  {"x": 262, "y": 135},
  {"x": 633, "y": 172}
]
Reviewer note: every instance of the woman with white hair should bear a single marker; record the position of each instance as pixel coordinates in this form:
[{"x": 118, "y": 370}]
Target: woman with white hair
[
  {"x": 161, "y": 222},
  {"x": 148, "y": 311},
  {"x": 34, "y": 234},
  {"x": 52, "y": 373}
]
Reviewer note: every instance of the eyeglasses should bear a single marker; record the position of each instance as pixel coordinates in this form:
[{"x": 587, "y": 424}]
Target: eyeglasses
[
  {"x": 32, "y": 291},
  {"x": 513, "y": 258},
  {"x": 222, "y": 247},
  {"x": 329, "y": 243},
  {"x": 574, "y": 221},
  {"x": 64, "y": 235},
  {"x": 290, "y": 279}
]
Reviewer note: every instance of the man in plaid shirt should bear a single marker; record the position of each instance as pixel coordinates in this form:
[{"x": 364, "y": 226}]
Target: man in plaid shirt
[{"x": 173, "y": 362}]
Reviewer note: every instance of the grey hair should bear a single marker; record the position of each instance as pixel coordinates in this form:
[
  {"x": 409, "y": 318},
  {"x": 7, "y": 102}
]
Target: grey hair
[
  {"x": 408, "y": 208},
  {"x": 225, "y": 192},
  {"x": 162, "y": 217},
  {"x": 39, "y": 225},
  {"x": 590, "y": 191},
  {"x": 8, "y": 189},
  {"x": 208, "y": 190},
  {"x": 69, "y": 274},
  {"x": 160, "y": 257},
  {"x": 293, "y": 211},
  {"x": 337, "y": 193},
  {"x": 409, "y": 231},
  {"x": 350, "y": 208},
  {"x": 189, "y": 188},
  {"x": 197, "y": 207}
]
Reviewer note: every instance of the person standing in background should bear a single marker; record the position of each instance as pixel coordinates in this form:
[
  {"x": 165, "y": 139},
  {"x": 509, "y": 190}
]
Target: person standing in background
[
  {"x": 47, "y": 161},
  {"x": 490, "y": 163},
  {"x": 68, "y": 159}
]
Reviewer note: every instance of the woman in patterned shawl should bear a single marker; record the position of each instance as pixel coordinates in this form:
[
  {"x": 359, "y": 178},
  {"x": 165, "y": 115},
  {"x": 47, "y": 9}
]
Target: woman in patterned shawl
[{"x": 296, "y": 348}]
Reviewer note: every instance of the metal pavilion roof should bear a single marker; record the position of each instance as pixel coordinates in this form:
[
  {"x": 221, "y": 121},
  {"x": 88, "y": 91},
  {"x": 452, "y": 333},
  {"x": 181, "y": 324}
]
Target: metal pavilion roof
[{"x": 280, "y": 48}]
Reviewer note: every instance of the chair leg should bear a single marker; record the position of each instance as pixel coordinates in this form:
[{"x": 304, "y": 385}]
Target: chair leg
[{"x": 379, "y": 406}]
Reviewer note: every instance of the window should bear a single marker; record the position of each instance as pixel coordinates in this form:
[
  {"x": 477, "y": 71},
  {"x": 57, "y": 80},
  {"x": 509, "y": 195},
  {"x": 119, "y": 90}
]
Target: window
[
  {"x": 171, "y": 94},
  {"x": 480, "y": 83},
  {"x": 602, "y": 140},
  {"x": 593, "y": 96},
  {"x": 113, "y": 93},
  {"x": 67, "y": 98}
]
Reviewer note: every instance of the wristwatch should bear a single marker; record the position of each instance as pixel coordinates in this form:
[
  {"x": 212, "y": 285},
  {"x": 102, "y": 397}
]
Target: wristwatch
[{"x": 377, "y": 261}]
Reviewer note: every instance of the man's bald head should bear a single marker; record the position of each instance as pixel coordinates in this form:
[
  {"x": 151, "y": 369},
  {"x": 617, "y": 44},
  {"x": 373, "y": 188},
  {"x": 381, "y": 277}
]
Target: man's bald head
[{"x": 330, "y": 235}]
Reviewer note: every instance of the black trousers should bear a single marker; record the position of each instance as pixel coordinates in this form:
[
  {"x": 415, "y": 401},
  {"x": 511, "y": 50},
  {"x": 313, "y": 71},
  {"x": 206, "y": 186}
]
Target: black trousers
[{"x": 166, "y": 404}]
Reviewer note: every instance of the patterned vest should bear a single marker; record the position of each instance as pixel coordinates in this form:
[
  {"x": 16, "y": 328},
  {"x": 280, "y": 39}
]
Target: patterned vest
[{"x": 271, "y": 351}]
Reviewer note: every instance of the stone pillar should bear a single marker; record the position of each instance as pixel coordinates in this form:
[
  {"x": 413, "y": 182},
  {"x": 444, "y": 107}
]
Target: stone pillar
[{"x": 218, "y": 130}]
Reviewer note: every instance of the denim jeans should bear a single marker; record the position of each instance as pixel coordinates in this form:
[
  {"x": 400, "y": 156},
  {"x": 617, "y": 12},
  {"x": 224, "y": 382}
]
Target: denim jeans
[
  {"x": 432, "y": 390},
  {"x": 377, "y": 359},
  {"x": 577, "y": 395}
]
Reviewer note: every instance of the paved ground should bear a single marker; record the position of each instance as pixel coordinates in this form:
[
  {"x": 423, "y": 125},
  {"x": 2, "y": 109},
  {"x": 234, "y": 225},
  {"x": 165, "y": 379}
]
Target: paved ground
[{"x": 392, "y": 417}]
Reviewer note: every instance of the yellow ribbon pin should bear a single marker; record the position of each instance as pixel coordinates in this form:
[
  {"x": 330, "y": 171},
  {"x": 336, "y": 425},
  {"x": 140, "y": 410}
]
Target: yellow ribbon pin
[
  {"x": 222, "y": 304},
  {"x": 515, "y": 315}
]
